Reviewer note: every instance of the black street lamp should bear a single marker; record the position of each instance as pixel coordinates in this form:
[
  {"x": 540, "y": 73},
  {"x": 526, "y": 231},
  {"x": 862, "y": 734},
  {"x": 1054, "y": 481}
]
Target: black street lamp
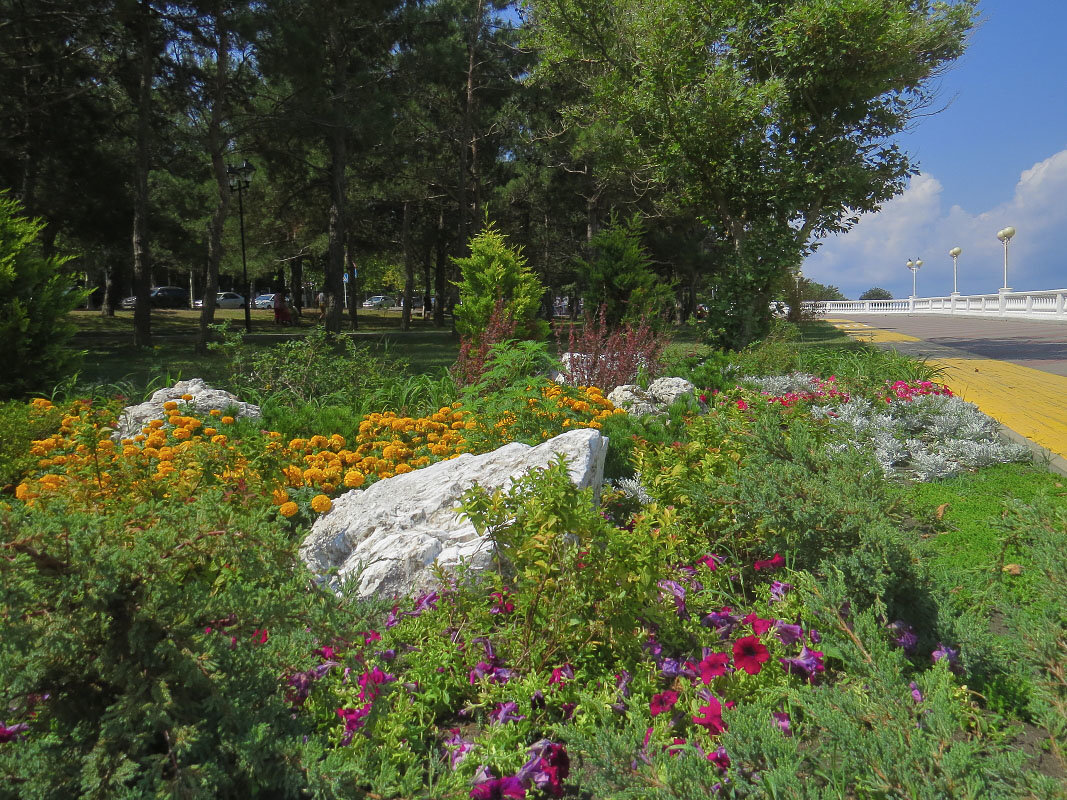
[{"x": 241, "y": 179}]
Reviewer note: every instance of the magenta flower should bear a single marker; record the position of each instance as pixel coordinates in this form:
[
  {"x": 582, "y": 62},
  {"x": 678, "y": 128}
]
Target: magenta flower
[
  {"x": 759, "y": 626},
  {"x": 499, "y": 789},
  {"x": 371, "y": 636},
  {"x": 719, "y": 758},
  {"x": 778, "y": 590},
  {"x": 904, "y": 636},
  {"x": 712, "y": 666},
  {"x": 770, "y": 564},
  {"x": 260, "y": 636},
  {"x": 710, "y": 717},
  {"x": 750, "y": 654},
  {"x": 664, "y": 701},
  {"x": 548, "y": 767},
  {"x": 949, "y": 654},
  {"x": 560, "y": 675},
  {"x": 501, "y": 603},
  {"x": 711, "y": 561},
  {"x": 12, "y": 733},
  {"x": 355, "y": 718},
  {"x": 370, "y": 681}
]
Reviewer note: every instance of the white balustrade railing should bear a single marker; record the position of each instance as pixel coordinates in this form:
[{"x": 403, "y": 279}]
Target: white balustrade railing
[{"x": 1047, "y": 305}]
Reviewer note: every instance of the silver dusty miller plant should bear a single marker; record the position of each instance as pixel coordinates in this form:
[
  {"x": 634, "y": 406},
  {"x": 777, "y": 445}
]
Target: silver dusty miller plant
[{"x": 925, "y": 438}]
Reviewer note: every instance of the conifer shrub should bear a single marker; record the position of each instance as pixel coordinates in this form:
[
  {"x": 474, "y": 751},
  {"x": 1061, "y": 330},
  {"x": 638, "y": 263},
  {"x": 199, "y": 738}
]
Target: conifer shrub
[
  {"x": 149, "y": 648},
  {"x": 495, "y": 272},
  {"x": 35, "y": 297}
]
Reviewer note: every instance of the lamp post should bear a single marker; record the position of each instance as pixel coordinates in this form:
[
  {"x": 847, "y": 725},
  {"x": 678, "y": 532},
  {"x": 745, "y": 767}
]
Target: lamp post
[
  {"x": 913, "y": 265},
  {"x": 955, "y": 253},
  {"x": 241, "y": 179},
  {"x": 1005, "y": 236}
]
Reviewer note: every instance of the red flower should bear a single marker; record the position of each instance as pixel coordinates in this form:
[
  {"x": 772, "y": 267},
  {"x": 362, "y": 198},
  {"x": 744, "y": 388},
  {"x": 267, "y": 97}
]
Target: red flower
[
  {"x": 749, "y": 654},
  {"x": 710, "y": 717},
  {"x": 713, "y": 666},
  {"x": 759, "y": 626},
  {"x": 770, "y": 563},
  {"x": 664, "y": 701},
  {"x": 260, "y": 636}
]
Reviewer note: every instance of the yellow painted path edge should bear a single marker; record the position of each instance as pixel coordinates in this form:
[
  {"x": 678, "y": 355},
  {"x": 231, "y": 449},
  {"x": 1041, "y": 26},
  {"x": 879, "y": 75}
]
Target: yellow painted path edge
[{"x": 1030, "y": 402}]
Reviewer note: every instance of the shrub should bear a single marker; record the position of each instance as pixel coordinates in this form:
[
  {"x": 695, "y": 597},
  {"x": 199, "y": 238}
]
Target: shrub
[
  {"x": 474, "y": 351},
  {"x": 493, "y": 273},
  {"x": 20, "y": 424},
  {"x": 35, "y": 298},
  {"x": 607, "y": 357},
  {"x": 620, "y": 279}
]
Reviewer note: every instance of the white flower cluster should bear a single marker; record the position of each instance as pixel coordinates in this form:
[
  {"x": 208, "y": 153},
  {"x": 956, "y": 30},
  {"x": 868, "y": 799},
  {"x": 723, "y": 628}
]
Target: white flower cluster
[{"x": 925, "y": 438}]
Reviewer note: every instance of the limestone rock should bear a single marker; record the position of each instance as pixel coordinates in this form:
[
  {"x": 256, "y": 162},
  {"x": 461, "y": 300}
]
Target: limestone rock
[
  {"x": 134, "y": 418},
  {"x": 389, "y": 535},
  {"x": 668, "y": 391},
  {"x": 659, "y": 396}
]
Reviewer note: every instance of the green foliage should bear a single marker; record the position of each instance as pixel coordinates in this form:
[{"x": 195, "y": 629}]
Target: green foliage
[
  {"x": 35, "y": 298},
  {"x": 147, "y": 654},
  {"x": 510, "y": 362},
  {"x": 877, "y": 293},
  {"x": 580, "y": 580},
  {"x": 619, "y": 276},
  {"x": 493, "y": 271}
]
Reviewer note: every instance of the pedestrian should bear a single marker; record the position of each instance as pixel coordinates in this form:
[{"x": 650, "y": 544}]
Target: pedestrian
[
  {"x": 322, "y": 306},
  {"x": 281, "y": 310}
]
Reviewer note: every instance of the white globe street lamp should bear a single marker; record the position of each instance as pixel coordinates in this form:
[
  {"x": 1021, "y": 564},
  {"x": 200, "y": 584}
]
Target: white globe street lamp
[
  {"x": 913, "y": 265},
  {"x": 1005, "y": 236},
  {"x": 955, "y": 253}
]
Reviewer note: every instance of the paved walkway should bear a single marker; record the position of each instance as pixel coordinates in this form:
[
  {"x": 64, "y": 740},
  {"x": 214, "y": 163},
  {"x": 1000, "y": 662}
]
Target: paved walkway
[{"x": 1014, "y": 371}]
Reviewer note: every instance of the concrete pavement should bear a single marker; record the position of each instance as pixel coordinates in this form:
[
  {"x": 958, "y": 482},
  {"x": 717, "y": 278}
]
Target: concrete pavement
[{"x": 1014, "y": 371}]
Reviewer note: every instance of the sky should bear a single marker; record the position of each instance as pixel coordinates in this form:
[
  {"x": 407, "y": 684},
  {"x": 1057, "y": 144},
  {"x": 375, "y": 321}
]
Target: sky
[{"x": 994, "y": 155}]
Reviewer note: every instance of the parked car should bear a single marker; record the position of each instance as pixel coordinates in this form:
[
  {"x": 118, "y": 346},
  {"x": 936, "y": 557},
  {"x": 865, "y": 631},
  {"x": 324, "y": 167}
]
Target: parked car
[
  {"x": 263, "y": 301},
  {"x": 162, "y": 297},
  {"x": 379, "y": 301},
  {"x": 229, "y": 300}
]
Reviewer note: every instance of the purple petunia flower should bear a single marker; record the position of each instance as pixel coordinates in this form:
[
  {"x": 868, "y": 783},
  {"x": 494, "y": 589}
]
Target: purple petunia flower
[
  {"x": 653, "y": 647},
  {"x": 560, "y": 675},
  {"x": 916, "y": 695},
  {"x": 783, "y": 723},
  {"x": 678, "y": 592},
  {"x": 548, "y": 767},
  {"x": 946, "y": 653},
  {"x": 904, "y": 636},
  {"x": 457, "y": 748},
  {"x": 622, "y": 682},
  {"x": 423, "y": 603},
  {"x": 778, "y": 590},
  {"x": 506, "y": 712},
  {"x": 671, "y": 668},
  {"x": 787, "y": 633},
  {"x": 807, "y": 663},
  {"x": 722, "y": 621}
]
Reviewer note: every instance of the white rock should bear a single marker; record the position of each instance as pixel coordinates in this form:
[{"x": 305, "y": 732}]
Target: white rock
[
  {"x": 134, "y": 418},
  {"x": 632, "y": 399},
  {"x": 668, "y": 391},
  {"x": 389, "y": 535}
]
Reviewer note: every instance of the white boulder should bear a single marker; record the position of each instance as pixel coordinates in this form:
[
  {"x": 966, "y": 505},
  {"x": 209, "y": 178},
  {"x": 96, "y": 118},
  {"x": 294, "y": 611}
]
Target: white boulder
[
  {"x": 388, "y": 536},
  {"x": 134, "y": 418},
  {"x": 660, "y": 395}
]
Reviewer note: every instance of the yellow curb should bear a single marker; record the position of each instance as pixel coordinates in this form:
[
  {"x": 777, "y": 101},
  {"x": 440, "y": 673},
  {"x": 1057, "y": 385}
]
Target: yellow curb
[{"x": 1030, "y": 402}]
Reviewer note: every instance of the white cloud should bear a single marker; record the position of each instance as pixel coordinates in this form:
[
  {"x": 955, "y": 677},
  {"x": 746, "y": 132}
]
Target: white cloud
[{"x": 915, "y": 224}]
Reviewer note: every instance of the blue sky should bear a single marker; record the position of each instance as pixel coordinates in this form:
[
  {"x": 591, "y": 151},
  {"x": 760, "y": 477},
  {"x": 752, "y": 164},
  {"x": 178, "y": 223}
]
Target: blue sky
[{"x": 996, "y": 155}]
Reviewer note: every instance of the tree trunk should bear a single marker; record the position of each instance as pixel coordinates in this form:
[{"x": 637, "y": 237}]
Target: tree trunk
[
  {"x": 142, "y": 264},
  {"x": 216, "y": 147},
  {"x": 440, "y": 272},
  {"x": 409, "y": 269},
  {"x": 335, "y": 260}
]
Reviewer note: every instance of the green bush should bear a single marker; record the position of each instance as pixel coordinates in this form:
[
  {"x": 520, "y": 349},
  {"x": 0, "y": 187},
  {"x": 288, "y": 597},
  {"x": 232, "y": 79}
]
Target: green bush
[
  {"x": 494, "y": 271},
  {"x": 35, "y": 298},
  {"x": 148, "y": 653}
]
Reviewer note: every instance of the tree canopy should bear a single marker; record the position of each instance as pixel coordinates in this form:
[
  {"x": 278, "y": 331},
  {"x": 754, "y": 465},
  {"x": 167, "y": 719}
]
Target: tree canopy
[{"x": 734, "y": 134}]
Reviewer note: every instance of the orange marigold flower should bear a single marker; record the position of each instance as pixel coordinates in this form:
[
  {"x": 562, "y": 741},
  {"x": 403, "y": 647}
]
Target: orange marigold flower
[
  {"x": 354, "y": 479},
  {"x": 227, "y": 420},
  {"x": 279, "y": 497},
  {"x": 219, "y": 439},
  {"x": 288, "y": 509},
  {"x": 402, "y": 468},
  {"x": 215, "y": 412},
  {"x": 210, "y": 431},
  {"x": 170, "y": 405},
  {"x": 321, "y": 503},
  {"x": 182, "y": 433}
]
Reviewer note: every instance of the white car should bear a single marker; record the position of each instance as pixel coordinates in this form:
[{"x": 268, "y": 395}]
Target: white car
[
  {"x": 224, "y": 300},
  {"x": 379, "y": 301},
  {"x": 263, "y": 301}
]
